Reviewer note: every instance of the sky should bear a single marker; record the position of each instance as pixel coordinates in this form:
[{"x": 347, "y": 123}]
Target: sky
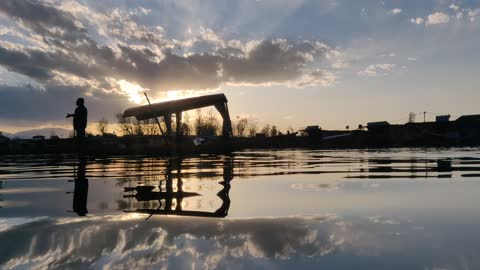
[{"x": 290, "y": 63}]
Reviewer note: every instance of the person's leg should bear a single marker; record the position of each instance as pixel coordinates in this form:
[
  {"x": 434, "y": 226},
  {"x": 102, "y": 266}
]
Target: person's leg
[{"x": 80, "y": 140}]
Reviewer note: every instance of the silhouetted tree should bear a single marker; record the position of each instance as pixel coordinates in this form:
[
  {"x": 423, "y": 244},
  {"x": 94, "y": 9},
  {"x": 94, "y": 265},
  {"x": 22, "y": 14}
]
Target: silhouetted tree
[
  {"x": 206, "y": 125},
  {"x": 266, "y": 130},
  {"x": 186, "y": 128},
  {"x": 126, "y": 125},
  {"x": 252, "y": 129},
  {"x": 150, "y": 127},
  {"x": 102, "y": 126},
  {"x": 138, "y": 128},
  {"x": 274, "y": 131},
  {"x": 240, "y": 127}
]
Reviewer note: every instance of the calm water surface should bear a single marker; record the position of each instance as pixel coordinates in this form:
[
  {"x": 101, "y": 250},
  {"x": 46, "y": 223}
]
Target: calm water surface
[{"x": 289, "y": 209}]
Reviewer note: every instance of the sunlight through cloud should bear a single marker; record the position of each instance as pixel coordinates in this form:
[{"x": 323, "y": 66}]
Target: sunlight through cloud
[{"x": 133, "y": 91}]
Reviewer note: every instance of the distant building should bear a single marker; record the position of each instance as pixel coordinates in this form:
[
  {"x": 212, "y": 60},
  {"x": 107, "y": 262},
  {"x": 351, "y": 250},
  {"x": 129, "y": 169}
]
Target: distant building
[
  {"x": 312, "y": 131},
  {"x": 469, "y": 119},
  {"x": 442, "y": 118},
  {"x": 378, "y": 127},
  {"x": 38, "y": 137}
]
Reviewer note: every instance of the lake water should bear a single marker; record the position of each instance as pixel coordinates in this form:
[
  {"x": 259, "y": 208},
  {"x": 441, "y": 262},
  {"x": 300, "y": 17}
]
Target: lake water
[{"x": 287, "y": 209}]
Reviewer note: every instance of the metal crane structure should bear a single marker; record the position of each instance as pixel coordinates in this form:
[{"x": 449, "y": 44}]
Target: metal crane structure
[{"x": 167, "y": 108}]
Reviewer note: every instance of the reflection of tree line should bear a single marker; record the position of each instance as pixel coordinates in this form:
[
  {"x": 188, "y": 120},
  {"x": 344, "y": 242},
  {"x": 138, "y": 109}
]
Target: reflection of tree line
[
  {"x": 418, "y": 168},
  {"x": 169, "y": 199}
]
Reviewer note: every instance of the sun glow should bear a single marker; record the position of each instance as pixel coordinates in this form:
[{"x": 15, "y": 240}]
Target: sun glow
[
  {"x": 179, "y": 94},
  {"x": 133, "y": 91}
]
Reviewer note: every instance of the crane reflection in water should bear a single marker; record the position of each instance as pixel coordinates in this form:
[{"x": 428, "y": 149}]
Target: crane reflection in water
[
  {"x": 170, "y": 199},
  {"x": 164, "y": 197}
]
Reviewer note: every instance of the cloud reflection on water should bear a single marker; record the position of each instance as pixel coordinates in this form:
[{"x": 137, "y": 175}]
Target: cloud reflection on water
[
  {"x": 121, "y": 243},
  {"x": 129, "y": 242},
  {"x": 384, "y": 223}
]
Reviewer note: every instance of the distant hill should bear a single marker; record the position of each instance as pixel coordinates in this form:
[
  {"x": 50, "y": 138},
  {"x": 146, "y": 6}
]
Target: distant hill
[{"x": 47, "y": 132}]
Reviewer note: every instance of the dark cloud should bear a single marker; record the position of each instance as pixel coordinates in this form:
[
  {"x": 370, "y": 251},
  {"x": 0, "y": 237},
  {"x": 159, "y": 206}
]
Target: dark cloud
[
  {"x": 72, "y": 51},
  {"x": 51, "y": 104},
  {"x": 44, "y": 19},
  {"x": 267, "y": 62}
]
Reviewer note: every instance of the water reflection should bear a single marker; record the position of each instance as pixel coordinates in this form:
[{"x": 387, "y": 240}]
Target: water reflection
[
  {"x": 319, "y": 242},
  {"x": 1, "y": 195},
  {"x": 268, "y": 182},
  {"x": 80, "y": 193},
  {"x": 170, "y": 200},
  {"x": 386, "y": 209}
]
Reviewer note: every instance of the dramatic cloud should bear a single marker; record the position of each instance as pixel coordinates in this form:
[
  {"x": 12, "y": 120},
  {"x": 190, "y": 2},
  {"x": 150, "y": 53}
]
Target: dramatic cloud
[{"x": 154, "y": 62}]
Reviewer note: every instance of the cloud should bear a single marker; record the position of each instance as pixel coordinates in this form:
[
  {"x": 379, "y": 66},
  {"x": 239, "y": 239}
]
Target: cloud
[
  {"x": 383, "y": 220},
  {"x": 457, "y": 12},
  {"x": 143, "y": 56},
  {"x": 53, "y": 103},
  {"x": 417, "y": 20},
  {"x": 454, "y": 7},
  {"x": 473, "y": 14},
  {"x": 377, "y": 70},
  {"x": 395, "y": 11},
  {"x": 432, "y": 19},
  {"x": 437, "y": 18}
]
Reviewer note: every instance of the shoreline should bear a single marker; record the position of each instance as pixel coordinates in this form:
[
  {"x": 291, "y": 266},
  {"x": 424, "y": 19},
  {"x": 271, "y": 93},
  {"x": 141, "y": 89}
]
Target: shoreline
[{"x": 156, "y": 146}]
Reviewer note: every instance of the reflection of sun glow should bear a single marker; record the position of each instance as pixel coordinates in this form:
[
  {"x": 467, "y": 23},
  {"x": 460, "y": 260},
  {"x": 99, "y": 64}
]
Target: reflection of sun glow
[{"x": 133, "y": 91}]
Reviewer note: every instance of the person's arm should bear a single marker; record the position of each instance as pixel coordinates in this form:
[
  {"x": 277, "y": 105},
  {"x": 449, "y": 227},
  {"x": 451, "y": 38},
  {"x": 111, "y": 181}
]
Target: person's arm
[{"x": 70, "y": 115}]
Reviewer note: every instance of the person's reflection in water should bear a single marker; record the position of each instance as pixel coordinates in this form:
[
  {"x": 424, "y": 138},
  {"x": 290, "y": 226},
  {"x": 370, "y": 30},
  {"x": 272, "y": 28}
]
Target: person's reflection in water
[
  {"x": 1, "y": 187},
  {"x": 80, "y": 193}
]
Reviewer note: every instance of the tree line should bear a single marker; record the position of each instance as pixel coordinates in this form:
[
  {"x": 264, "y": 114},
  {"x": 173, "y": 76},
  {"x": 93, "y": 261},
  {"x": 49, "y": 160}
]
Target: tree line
[{"x": 202, "y": 124}]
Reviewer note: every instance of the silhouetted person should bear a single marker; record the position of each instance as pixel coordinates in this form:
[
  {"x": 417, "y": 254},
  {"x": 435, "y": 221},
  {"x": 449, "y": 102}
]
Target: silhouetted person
[
  {"x": 79, "y": 120},
  {"x": 80, "y": 192}
]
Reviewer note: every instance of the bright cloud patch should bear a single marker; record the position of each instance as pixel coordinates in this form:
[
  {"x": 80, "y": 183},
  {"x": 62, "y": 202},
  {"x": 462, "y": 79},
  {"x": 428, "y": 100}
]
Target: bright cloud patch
[
  {"x": 133, "y": 91},
  {"x": 437, "y": 18},
  {"x": 377, "y": 70},
  {"x": 395, "y": 11},
  {"x": 417, "y": 20}
]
